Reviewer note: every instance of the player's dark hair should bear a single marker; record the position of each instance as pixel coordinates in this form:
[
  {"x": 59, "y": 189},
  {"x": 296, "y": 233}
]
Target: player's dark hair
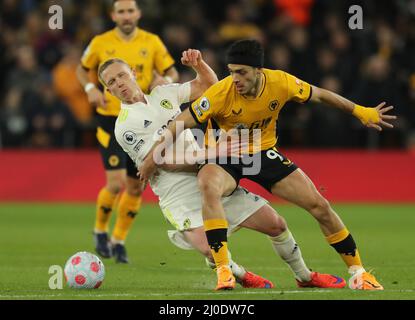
[
  {"x": 246, "y": 52},
  {"x": 106, "y": 64},
  {"x": 114, "y": 1}
]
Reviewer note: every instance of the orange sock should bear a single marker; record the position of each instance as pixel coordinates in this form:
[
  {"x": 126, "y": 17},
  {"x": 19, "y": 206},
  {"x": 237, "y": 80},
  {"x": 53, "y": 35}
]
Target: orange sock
[
  {"x": 105, "y": 203},
  {"x": 127, "y": 210},
  {"x": 344, "y": 244},
  {"x": 216, "y": 234}
]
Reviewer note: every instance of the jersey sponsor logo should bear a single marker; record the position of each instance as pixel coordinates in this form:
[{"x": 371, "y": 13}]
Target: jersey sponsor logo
[
  {"x": 147, "y": 123},
  {"x": 139, "y": 144},
  {"x": 160, "y": 131},
  {"x": 166, "y": 104},
  {"x": 237, "y": 113},
  {"x": 204, "y": 104},
  {"x": 129, "y": 137},
  {"x": 261, "y": 124},
  {"x": 273, "y": 105},
  {"x": 240, "y": 126}
]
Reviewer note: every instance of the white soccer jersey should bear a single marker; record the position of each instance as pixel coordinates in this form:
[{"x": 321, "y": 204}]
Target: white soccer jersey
[{"x": 140, "y": 125}]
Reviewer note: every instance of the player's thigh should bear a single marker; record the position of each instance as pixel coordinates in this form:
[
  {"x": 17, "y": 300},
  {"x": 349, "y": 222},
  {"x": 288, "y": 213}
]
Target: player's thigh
[
  {"x": 134, "y": 186},
  {"x": 298, "y": 189},
  {"x": 265, "y": 220},
  {"x": 112, "y": 156},
  {"x": 214, "y": 179}
]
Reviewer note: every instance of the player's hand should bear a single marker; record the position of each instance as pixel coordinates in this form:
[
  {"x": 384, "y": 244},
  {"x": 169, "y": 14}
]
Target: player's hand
[
  {"x": 96, "y": 98},
  {"x": 191, "y": 58},
  {"x": 147, "y": 169},
  {"x": 231, "y": 144},
  {"x": 383, "y": 118}
]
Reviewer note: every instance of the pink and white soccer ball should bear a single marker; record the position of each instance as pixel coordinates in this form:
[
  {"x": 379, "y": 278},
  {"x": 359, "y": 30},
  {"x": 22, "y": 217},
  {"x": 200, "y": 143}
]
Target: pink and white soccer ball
[{"x": 84, "y": 270}]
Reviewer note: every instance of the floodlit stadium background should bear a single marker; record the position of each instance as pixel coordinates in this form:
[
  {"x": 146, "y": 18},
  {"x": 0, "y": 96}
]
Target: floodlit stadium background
[{"x": 43, "y": 107}]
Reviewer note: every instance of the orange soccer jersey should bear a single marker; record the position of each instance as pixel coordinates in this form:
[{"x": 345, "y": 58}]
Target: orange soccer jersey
[
  {"x": 230, "y": 110},
  {"x": 144, "y": 53}
]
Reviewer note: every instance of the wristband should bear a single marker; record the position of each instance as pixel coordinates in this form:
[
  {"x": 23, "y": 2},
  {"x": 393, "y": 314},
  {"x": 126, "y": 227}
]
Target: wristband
[
  {"x": 89, "y": 86},
  {"x": 366, "y": 115}
]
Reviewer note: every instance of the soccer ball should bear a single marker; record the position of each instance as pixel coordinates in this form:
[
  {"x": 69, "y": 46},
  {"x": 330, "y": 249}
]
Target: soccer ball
[{"x": 84, "y": 270}]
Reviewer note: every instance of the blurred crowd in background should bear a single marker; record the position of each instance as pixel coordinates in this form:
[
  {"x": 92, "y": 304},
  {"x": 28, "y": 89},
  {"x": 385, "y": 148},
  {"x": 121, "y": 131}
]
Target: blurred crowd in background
[{"x": 42, "y": 105}]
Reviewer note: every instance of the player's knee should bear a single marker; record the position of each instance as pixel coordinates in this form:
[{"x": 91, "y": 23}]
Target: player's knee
[
  {"x": 209, "y": 187},
  {"x": 134, "y": 189},
  {"x": 114, "y": 187},
  {"x": 278, "y": 227},
  {"x": 320, "y": 208}
]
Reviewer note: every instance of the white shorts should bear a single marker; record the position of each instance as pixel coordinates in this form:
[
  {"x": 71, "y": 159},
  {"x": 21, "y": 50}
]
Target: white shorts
[{"x": 238, "y": 207}]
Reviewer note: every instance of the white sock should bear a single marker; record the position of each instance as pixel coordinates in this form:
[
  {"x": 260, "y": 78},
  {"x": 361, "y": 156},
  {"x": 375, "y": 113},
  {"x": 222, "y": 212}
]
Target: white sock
[
  {"x": 290, "y": 252},
  {"x": 237, "y": 270},
  {"x": 356, "y": 269},
  {"x": 116, "y": 241}
]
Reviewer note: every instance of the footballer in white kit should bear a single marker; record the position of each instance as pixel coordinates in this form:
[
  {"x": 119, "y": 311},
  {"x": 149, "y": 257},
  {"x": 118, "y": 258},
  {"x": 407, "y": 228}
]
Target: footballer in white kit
[
  {"x": 139, "y": 126},
  {"x": 141, "y": 122}
]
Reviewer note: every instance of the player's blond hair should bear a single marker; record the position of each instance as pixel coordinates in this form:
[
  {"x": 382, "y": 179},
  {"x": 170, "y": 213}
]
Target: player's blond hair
[{"x": 106, "y": 64}]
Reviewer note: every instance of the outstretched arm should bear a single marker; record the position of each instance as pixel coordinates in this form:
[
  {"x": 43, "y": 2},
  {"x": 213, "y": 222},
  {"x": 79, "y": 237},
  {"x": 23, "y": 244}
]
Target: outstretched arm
[
  {"x": 205, "y": 76},
  {"x": 370, "y": 117},
  {"x": 204, "y": 79}
]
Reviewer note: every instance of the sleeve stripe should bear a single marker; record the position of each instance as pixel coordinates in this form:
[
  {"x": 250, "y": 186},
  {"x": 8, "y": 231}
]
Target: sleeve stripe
[
  {"x": 194, "y": 115},
  {"x": 311, "y": 92}
]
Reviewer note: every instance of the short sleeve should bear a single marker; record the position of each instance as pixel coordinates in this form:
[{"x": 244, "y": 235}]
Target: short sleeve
[
  {"x": 183, "y": 92},
  {"x": 205, "y": 107},
  {"x": 298, "y": 90},
  {"x": 180, "y": 93},
  {"x": 90, "y": 57},
  {"x": 162, "y": 60}
]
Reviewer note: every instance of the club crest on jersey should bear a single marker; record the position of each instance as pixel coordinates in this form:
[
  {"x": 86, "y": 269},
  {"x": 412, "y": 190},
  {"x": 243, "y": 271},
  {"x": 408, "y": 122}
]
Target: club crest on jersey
[
  {"x": 129, "y": 137},
  {"x": 273, "y": 105},
  {"x": 204, "y": 104},
  {"x": 143, "y": 52},
  {"x": 166, "y": 104},
  {"x": 187, "y": 223}
]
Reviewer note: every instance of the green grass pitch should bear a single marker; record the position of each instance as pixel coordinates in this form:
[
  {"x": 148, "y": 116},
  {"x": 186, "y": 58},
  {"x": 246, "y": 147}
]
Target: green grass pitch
[{"x": 35, "y": 236}]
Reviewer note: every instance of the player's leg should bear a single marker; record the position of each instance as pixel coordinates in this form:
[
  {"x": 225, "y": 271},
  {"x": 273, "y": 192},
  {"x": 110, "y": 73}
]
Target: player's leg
[
  {"x": 300, "y": 190},
  {"x": 114, "y": 164},
  {"x": 267, "y": 221},
  {"x": 128, "y": 207},
  {"x": 197, "y": 239},
  {"x": 214, "y": 182}
]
